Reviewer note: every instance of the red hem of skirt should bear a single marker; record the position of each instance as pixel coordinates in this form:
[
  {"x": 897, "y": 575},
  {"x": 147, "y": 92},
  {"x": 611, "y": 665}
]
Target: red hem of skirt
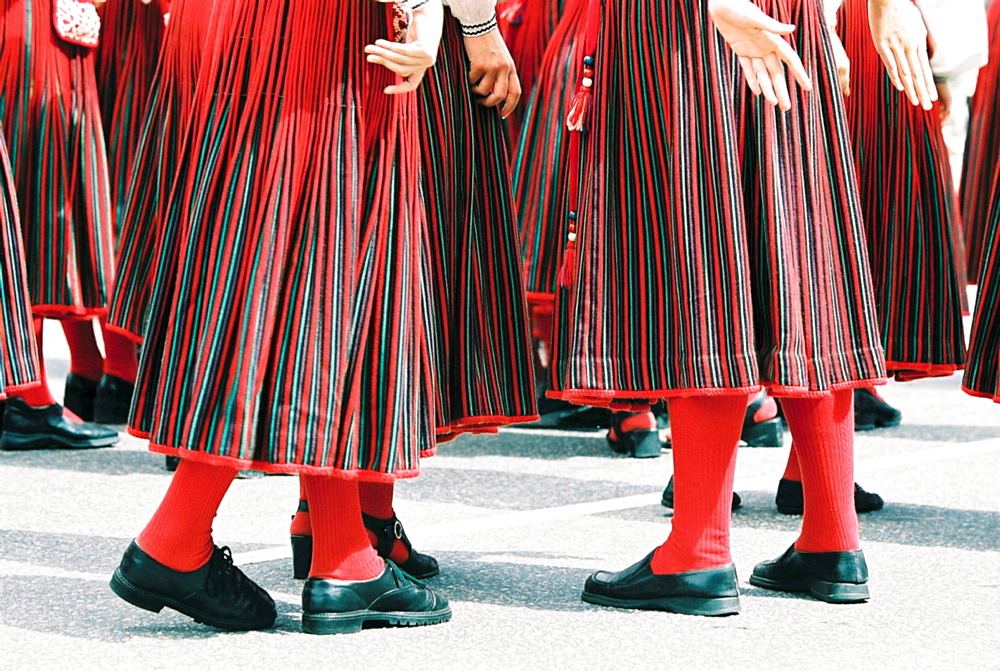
[
  {"x": 981, "y": 394},
  {"x": 540, "y": 299},
  {"x": 66, "y": 312},
  {"x": 124, "y": 333},
  {"x": 908, "y": 372},
  {"x": 266, "y": 467},
  {"x": 484, "y": 424}
]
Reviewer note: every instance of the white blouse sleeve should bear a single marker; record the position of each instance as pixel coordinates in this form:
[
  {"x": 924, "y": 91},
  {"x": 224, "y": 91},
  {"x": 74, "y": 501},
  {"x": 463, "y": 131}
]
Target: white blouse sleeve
[
  {"x": 477, "y": 17},
  {"x": 958, "y": 35}
]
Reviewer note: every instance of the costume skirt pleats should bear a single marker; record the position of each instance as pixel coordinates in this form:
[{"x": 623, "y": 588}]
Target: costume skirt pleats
[
  {"x": 165, "y": 121},
  {"x": 131, "y": 34},
  {"x": 982, "y": 151},
  {"x": 473, "y": 288},
  {"x": 910, "y": 213},
  {"x": 674, "y": 290},
  {"x": 982, "y": 373},
  {"x": 18, "y": 356},
  {"x": 50, "y": 112},
  {"x": 288, "y": 335},
  {"x": 541, "y": 172}
]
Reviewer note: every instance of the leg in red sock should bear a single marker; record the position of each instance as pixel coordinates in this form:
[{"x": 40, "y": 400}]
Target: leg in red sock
[
  {"x": 39, "y": 396},
  {"x": 86, "y": 359},
  {"x": 823, "y": 430},
  {"x": 792, "y": 467},
  {"x": 121, "y": 358},
  {"x": 706, "y": 433},
  {"x": 301, "y": 525},
  {"x": 180, "y": 534},
  {"x": 341, "y": 549}
]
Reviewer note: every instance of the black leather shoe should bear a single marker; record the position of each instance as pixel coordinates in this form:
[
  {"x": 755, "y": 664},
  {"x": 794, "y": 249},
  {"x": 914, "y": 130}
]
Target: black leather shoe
[
  {"x": 790, "y": 502},
  {"x": 834, "y": 577},
  {"x": 114, "y": 400},
  {"x": 872, "y": 412},
  {"x": 80, "y": 396},
  {"x": 387, "y": 532},
  {"x": 710, "y": 592},
  {"x": 637, "y": 443},
  {"x": 394, "y": 598},
  {"x": 218, "y": 594},
  {"x": 667, "y": 501},
  {"x": 28, "y": 428}
]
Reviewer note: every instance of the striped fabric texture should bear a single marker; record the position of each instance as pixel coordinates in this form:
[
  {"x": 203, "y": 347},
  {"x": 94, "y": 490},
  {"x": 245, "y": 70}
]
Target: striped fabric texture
[
  {"x": 165, "y": 120},
  {"x": 18, "y": 355},
  {"x": 131, "y": 33},
  {"x": 288, "y": 336},
  {"x": 473, "y": 291},
  {"x": 982, "y": 151},
  {"x": 982, "y": 373},
  {"x": 910, "y": 213},
  {"x": 676, "y": 291},
  {"x": 50, "y": 113}
]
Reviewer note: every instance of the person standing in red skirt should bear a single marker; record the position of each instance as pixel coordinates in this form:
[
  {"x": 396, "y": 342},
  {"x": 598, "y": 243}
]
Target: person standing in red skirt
[
  {"x": 288, "y": 337},
  {"x": 51, "y": 124},
  {"x": 472, "y": 288},
  {"x": 684, "y": 280}
]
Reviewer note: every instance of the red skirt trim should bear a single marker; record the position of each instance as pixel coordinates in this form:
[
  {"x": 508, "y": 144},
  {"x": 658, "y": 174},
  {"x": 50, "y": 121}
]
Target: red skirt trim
[
  {"x": 907, "y": 372},
  {"x": 123, "y": 332},
  {"x": 980, "y": 394},
  {"x": 66, "y": 312}
]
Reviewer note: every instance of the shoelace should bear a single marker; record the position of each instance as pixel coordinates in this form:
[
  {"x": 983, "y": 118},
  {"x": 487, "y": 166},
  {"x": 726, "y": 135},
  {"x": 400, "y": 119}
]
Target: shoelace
[{"x": 223, "y": 576}]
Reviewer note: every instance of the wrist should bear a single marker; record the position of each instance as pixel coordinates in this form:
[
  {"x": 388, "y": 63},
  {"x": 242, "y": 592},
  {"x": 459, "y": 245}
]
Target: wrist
[{"x": 480, "y": 29}]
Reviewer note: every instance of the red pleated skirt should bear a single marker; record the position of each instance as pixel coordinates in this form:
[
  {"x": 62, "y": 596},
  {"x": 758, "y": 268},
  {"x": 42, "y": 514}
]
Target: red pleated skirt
[
  {"x": 711, "y": 258},
  {"x": 51, "y": 117},
  {"x": 288, "y": 334}
]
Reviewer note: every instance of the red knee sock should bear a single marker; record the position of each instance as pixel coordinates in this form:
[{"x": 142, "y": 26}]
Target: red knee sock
[
  {"x": 301, "y": 525},
  {"x": 376, "y": 501},
  {"x": 121, "y": 358},
  {"x": 341, "y": 548},
  {"x": 792, "y": 467},
  {"x": 40, "y": 395},
  {"x": 180, "y": 533},
  {"x": 706, "y": 433},
  {"x": 86, "y": 359},
  {"x": 823, "y": 431}
]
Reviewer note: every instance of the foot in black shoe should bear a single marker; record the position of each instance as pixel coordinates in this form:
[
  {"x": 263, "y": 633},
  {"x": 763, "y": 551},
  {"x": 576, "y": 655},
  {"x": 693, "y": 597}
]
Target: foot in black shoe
[
  {"x": 667, "y": 501},
  {"x": 710, "y": 592},
  {"x": 28, "y": 428},
  {"x": 639, "y": 438},
  {"x": 114, "y": 400},
  {"x": 762, "y": 427},
  {"x": 790, "y": 502},
  {"x": 834, "y": 577},
  {"x": 80, "y": 396},
  {"x": 395, "y": 599},
  {"x": 872, "y": 412},
  {"x": 217, "y": 594}
]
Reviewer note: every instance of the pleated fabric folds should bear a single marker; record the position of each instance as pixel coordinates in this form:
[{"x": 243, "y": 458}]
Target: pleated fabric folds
[
  {"x": 675, "y": 289},
  {"x": 910, "y": 213},
  {"x": 288, "y": 335},
  {"x": 50, "y": 112},
  {"x": 473, "y": 291}
]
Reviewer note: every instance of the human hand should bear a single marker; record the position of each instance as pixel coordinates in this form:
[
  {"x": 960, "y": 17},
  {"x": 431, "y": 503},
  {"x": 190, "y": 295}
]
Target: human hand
[
  {"x": 412, "y": 59},
  {"x": 492, "y": 71},
  {"x": 900, "y": 38}
]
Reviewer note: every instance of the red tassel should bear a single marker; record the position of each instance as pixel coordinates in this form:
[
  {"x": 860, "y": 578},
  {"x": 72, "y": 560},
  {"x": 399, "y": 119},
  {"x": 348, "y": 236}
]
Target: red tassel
[
  {"x": 578, "y": 110},
  {"x": 567, "y": 273}
]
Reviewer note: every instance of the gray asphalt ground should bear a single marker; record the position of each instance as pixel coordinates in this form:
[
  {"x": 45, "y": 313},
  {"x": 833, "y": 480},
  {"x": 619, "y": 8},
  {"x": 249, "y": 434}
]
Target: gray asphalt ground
[{"x": 518, "y": 521}]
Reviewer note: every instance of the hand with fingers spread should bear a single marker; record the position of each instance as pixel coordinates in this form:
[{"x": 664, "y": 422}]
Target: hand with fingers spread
[
  {"x": 758, "y": 41},
  {"x": 492, "y": 72},
  {"x": 900, "y": 38},
  {"x": 412, "y": 59}
]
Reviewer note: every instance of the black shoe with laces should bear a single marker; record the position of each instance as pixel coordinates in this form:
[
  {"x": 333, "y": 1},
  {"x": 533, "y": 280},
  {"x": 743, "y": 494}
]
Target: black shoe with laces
[
  {"x": 394, "y": 599},
  {"x": 217, "y": 594}
]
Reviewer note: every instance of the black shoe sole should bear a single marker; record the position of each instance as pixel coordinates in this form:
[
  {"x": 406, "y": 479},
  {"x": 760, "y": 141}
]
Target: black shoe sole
[
  {"x": 830, "y": 592},
  {"x": 354, "y": 621},
  {"x": 37, "y": 441},
  {"x": 765, "y": 434},
  {"x": 156, "y": 602},
  {"x": 685, "y": 605},
  {"x": 638, "y": 444},
  {"x": 302, "y": 552}
]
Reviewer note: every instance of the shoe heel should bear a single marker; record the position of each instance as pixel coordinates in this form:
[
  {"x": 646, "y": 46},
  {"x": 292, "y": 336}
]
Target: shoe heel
[
  {"x": 765, "y": 434},
  {"x": 112, "y": 412},
  {"x": 302, "y": 553},
  {"x": 839, "y": 592},
  {"x": 326, "y": 623},
  {"x": 638, "y": 444},
  {"x": 124, "y": 589},
  {"x": 21, "y": 441}
]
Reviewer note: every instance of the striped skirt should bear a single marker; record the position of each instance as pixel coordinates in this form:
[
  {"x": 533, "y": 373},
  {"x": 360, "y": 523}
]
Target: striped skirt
[
  {"x": 159, "y": 147},
  {"x": 910, "y": 213},
  {"x": 982, "y": 373},
  {"x": 671, "y": 288},
  {"x": 982, "y": 151},
  {"x": 18, "y": 356},
  {"x": 51, "y": 116},
  {"x": 288, "y": 336},
  {"x": 476, "y": 318},
  {"x": 541, "y": 172},
  {"x": 131, "y": 33}
]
